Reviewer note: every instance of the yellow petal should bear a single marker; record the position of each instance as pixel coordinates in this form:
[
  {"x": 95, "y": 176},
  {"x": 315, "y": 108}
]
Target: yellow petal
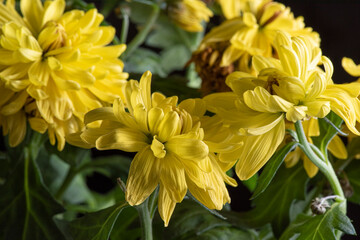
[
  {"x": 172, "y": 177},
  {"x": 296, "y": 113},
  {"x": 17, "y": 102},
  {"x": 169, "y": 126},
  {"x": 158, "y": 148},
  {"x": 90, "y": 135},
  {"x": 155, "y": 116},
  {"x": 76, "y": 140},
  {"x": 318, "y": 108},
  {"x": 27, "y": 55},
  {"x": 310, "y": 168},
  {"x": 125, "y": 139},
  {"x": 33, "y": 11},
  {"x": 292, "y": 158},
  {"x": 257, "y": 150},
  {"x": 337, "y": 148},
  {"x": 140, "y": 115},
  {"x": 187, "y": 148},
  {"x": 143, "y": 177},
  {"x": 166, "y": 206},
  {"x": 39, "y": 73},
  {"x": 104, "y": 113},
  {"x": 349, "y": 66},
  {"x": 262, "y": 101},
  {"x": 145, "y": 86},
  {"x": 17, "y": 128},
  {"x": 195, "y": 107},
  {"x": 123, "y": 117},
  {"x": 53, "y": 11},
  {"x": 38, "y": 124}
]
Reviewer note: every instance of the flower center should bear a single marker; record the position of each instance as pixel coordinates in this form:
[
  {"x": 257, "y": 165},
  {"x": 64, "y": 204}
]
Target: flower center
[
  {"x": 52, "y": 36},
  {"x": 269, "y": 84}
]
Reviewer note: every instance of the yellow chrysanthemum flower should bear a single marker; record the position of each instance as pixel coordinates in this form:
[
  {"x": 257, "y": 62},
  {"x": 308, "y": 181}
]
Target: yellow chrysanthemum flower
[
  {"x": 230, "y": 46},
  {"x": 234, "y": 8},
  {"x": 54, "y": 68},
  {"x": 290, "y": 88},
  {"x": 171, "y": 149},
  {"x": 311, "y": 129},
  {"x": 189, "y": 14}
]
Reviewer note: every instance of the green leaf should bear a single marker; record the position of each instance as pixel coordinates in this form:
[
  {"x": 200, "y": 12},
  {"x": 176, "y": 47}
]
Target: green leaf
[
  {"x": 274, "y": 204},
  {"x": 142, "y": 60},
  {"x": 224, "y": 233},
  {"x": 26, "y": 206},
  {"x": 353, "y": 147},
  {"x": 54, "y": 171},
  {"x": 251, "y": 182},
  {"x": 166, "y": 35},
  {"x": 74, "y": 156},
  {"x": 80, "y": 4},
  {"x": 271, "y": 168},
  {"x": 327, "y": 131},
  {"x": 352, "y": 173},
  {"x": 112, "y": 166},
  {"x": 108, "y": 7},
  {"x": 140, "y": 11},
  {"x": 127, "y": 226},
  {"x": 175, "y": 58},
  {"x": 191, "y": 221},
  {"x": 93, "y": 226},
  {"x": 320, "y": 227}
]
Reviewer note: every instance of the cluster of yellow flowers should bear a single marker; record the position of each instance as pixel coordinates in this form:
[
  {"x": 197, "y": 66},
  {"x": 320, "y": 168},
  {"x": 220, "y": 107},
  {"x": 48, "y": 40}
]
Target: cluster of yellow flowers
[
  {"x": 174, "y": 148},
  {"x": 55, "y": 67},
  {"x": 58, "y": 74}
]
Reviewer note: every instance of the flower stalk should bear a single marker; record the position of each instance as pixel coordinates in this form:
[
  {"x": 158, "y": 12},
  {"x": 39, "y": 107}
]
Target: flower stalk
[
  {"x": 141, "y": 36},
  {"x": 146, "y": 220},
  {"x": 324, "y": 166}
]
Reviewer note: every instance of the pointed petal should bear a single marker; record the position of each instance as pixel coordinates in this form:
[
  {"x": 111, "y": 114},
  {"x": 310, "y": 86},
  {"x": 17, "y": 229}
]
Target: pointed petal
[
  {"x": 257, "y": 150},
  {"x": 172, "y": 177},
  {"x": 143, "y": 177},
  {"x": 310, "y": 168},
  {"x": 337, "y": 148},
  {"x": 166, "y": 206}
]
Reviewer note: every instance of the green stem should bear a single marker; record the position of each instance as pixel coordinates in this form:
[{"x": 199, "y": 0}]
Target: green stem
[
  {"x": 68, "y": 180},
  {"x": 124, "y": 27},
  {"x": 145, "y": 219},
  {"x": 141, "y": 36},
  {"x": 324, "y": 166},
  {"x": 153, "y": 202}
]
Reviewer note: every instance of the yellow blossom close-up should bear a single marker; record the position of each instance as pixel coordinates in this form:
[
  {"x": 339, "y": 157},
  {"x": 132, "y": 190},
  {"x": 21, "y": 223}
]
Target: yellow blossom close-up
[
  {"x": 171, "y": 148},
  {"x": 189, "y": 14},
  {"x": 289, "y": 89},
  {"x": 236, "y": 40},
  {"x": 55, "y": 67}
]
